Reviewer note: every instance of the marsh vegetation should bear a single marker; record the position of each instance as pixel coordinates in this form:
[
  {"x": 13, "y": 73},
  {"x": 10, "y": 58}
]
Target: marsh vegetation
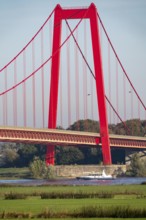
[{"x": 73, "y": 202}]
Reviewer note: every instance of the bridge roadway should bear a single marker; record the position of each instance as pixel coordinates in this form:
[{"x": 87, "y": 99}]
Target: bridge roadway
[{"x": 66, "y": 137}]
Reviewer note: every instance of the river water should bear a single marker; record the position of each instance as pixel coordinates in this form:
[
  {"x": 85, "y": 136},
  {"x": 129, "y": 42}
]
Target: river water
[{"x": 74, "y": 182}]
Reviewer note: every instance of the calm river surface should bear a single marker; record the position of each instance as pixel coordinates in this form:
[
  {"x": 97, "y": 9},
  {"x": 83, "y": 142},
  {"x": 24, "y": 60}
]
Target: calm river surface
[{"x": 33, "y": 182}]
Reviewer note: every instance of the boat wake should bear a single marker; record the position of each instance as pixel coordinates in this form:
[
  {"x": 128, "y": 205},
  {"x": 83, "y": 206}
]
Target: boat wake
[{"x": 97, "y": 176}]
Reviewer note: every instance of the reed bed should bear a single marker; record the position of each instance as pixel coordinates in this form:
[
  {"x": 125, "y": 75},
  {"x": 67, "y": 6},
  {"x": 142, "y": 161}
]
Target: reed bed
[
  {"x": 75, "y": 195},
  {"x": 69, "y": 195},
  {"x": 84, "y": 212}
]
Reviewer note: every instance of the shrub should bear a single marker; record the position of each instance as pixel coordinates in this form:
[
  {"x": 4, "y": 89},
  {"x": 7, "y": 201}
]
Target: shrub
[
  {"x": 39, "y": 169},
  {"x": 12, "y": 195}
]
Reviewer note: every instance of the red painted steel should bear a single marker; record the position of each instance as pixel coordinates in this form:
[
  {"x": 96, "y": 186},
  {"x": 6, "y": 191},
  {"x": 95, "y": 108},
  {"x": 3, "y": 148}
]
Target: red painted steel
[
  {"x": 100, "y": 86},
  {"x": 65, "y": 137},
  {"x": 54, "y": 79},
  {"x": 90, "y": 13}
]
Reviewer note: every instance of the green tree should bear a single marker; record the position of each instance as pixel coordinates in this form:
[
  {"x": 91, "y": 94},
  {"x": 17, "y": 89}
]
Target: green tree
[
  {"x": 133, "y": 127},
  {"x": 9, "y": 155},
  {"x": 91, "y": 155},
  {"x": 85, "y": 125},
  {"x": 137, "y": 166},
  {"x": 26, "y": 154},
  {"x": 68, "y": 155}
]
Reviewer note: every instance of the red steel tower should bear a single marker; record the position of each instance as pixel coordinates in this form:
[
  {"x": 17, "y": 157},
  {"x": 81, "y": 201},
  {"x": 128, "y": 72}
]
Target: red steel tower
[{"x": 91, "y": 14}]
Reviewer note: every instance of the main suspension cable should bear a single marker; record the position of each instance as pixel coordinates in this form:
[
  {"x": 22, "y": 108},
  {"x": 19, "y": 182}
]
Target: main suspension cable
[
  {"x": 24, "y": 48},
  {"x": 42, "y": 65},
  {"x": 120, "y": 62}
]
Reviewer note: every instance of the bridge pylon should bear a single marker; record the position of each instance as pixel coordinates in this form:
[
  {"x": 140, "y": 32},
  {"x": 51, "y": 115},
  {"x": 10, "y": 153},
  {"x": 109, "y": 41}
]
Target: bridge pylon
[{"x": 78, "y": 13}]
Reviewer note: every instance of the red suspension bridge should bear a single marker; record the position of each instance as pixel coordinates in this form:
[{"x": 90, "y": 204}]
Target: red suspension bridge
[{"x": 59, "y": 78}]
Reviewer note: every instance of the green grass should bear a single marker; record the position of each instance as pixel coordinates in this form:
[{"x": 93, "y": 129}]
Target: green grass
[
  {"x": 117, "y": 189},
  {"x": 133, "y": 196},
  {"x": 36, "y": 205},
  {"x": 14, "y": 173}
]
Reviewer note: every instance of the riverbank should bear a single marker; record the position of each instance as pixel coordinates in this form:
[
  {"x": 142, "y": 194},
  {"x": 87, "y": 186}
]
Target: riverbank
[
  {"x": 15, "y": 173},
  {"x": 64, "y": 171}
]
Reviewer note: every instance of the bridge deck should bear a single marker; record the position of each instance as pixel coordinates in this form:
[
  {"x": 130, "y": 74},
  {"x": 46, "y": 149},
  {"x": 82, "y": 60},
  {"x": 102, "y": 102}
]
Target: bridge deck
[{"x": 66, "y": 137}]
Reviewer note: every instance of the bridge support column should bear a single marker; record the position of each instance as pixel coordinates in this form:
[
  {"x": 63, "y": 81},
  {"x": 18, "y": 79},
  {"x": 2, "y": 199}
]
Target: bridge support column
[
  {"x": 50, "y": 155},
  {"x": 106, "y": 153}
]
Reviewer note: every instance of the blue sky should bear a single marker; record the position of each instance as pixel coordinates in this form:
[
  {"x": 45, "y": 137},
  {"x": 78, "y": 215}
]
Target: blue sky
[{"x": 124, "y": 20}]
